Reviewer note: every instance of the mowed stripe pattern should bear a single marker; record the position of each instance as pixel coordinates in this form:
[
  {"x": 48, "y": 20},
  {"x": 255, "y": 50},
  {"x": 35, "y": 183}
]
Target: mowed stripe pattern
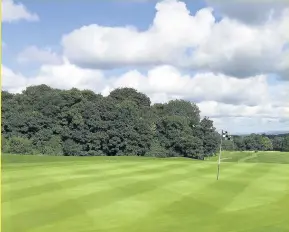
[{"x": 138, "y": 194}]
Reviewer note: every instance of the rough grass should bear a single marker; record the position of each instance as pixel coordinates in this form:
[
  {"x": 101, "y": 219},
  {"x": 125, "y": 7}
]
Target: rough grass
[{"x": 132, "y": 194}]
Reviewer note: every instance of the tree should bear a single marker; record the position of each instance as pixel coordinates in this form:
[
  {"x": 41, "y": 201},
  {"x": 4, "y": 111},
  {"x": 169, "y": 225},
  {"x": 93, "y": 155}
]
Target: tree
[
  {"x": 253, "y": 142},
  {"x": 81, "y": 122},
  {"x": 277, "y": 143},
  {"x": 157, "y": 150},
  {"x": 71, "y": 148},
  {"x": 6, "y": 96},
  {"x": 239, "y": 142},
  {"x": 52, "y": 147},
  {"x": 177, "y": 137},
  {"x": 228, "y": 145},
  {"x": 5, "y": 144},
  {"x": 19, "y": 145},
  {"x": 266, "y": 144},
  {"x": 189, "y": 146},
  {"x": 130, "y": 134},
  {"x": 91, "y": 96},
  {"x": 285, "y": 144},
  {"x": 122, "y": 94},
  {"x": 184, "y": 109},
  {"x": 211, "y": 139}
]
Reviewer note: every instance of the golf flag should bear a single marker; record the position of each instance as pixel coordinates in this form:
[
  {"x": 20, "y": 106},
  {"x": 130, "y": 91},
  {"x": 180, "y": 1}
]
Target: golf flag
[{"x": 226, "y": 135}]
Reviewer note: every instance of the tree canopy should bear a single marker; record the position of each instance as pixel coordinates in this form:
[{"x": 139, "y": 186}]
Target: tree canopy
[{"x": 44, "y": 120}]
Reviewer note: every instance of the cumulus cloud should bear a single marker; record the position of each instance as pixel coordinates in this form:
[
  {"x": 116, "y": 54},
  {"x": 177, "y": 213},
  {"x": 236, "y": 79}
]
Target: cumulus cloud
[
  {"x": 64, "y": 76},
  {"x": 12, "y": 11},
  {"x": 245, "y": 125},
  {"x": 250, "y": 12},
  {"x": 33, "y": 54},
  {"x": 168, "y": 36},
  {"x": 12, "y": 81},
  {"x": 176, "y": 37},
  {"x": 167, "y": 82},
  {"x": 266, "y": 110},
  {"x": 247, "y": 119},
  {"x": 237, "y": 49}
]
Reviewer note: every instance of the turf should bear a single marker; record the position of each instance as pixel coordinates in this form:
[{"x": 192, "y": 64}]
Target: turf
[
  {"x": 254, "y": 157},
  {"x": 131, "y": 194}
]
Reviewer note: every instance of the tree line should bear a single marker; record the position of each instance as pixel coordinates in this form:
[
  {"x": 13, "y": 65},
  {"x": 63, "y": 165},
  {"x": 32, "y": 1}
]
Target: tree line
[
  {"x": 258, "y": 142},
  {"x": 44, "y": 120}
]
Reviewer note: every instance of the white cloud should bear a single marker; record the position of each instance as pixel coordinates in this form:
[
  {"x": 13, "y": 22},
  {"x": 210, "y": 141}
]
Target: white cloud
[
  {"x": 33, "y": 54},
  {"x": 251, "y": 12},
  {"x": 64, "y": 76},
  {"x": 218, "y": 110},
  {"x": 229, "y": 101},
  {"x": 12, "y": 11},
  {"x": 169, "y": 81},
  {"x": 67, "y": 76},
  {"x": 165, "y": 39},
  {"x": 14, "y": 82},
  {"x": 237, "y": 49},
  {"x": 179, "y": 38},
  {"x": 165, "y": 81},
  {"x": 270, "y": 119},
  {"x": 244, "y": 125}
]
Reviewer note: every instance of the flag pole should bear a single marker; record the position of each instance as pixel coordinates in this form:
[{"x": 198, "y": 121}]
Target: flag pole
[{"x": 219, "y": 160}]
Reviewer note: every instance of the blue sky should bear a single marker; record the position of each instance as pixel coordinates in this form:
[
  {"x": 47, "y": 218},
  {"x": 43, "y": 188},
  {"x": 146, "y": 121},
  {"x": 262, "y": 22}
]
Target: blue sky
[
  {"x": 236, "y": 69},
  {"x": 60, "y": 17}
]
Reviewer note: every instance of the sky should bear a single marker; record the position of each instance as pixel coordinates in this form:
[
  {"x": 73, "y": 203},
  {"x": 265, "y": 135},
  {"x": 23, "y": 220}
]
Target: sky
[{"x": 231, "y": 58}]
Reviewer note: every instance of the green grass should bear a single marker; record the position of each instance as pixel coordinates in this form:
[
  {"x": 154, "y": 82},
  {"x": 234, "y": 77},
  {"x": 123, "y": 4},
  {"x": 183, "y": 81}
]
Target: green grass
[
  {"x": 254, "y": 157},
  {"x": 133, "y": 194}
]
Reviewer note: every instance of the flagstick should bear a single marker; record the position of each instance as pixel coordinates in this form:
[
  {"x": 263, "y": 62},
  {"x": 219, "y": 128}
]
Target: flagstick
[{"x": 219, "y": 160}]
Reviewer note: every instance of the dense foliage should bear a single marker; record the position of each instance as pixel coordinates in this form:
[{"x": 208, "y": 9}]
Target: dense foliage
[
  {"x": 257, "y": 142},
  {"x": 43, "y": 120}
]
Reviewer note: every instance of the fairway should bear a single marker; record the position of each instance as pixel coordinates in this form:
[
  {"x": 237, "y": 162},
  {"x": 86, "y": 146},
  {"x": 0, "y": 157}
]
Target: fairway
[{"x": 133, "y": 194}]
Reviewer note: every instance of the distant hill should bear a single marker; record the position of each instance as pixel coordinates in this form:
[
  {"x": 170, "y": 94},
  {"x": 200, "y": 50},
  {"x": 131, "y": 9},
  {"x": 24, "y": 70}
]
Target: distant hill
[
  {"x": 277, "y": 133},
  {"x": 269, "y": 133}
]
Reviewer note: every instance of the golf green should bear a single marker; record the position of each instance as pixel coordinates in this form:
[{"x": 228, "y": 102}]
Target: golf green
[{"x": 132, "y": 194}]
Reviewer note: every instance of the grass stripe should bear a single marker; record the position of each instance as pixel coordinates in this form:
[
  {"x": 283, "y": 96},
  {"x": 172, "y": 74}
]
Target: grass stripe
[
  {"x": 93, "y": 200},
  {"x": 194, "y": 205},
  {"x": 258, "y": 192},
  {"x": 73, "y": 182},
  {"x": 126, "y": 195},
  {"x": 99, "y": 183},
  {"x": 60, "y": 170},
  {"x": 90, "y": 169}
]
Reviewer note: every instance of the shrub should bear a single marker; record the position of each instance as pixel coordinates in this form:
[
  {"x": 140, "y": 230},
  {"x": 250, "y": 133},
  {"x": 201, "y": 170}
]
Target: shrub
[
  {"x": 5, "y": 146},
  {"x": 71, "y": 148},
  {"x": 157, "y": 151},
  {"x": 19, "y": 145}
]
